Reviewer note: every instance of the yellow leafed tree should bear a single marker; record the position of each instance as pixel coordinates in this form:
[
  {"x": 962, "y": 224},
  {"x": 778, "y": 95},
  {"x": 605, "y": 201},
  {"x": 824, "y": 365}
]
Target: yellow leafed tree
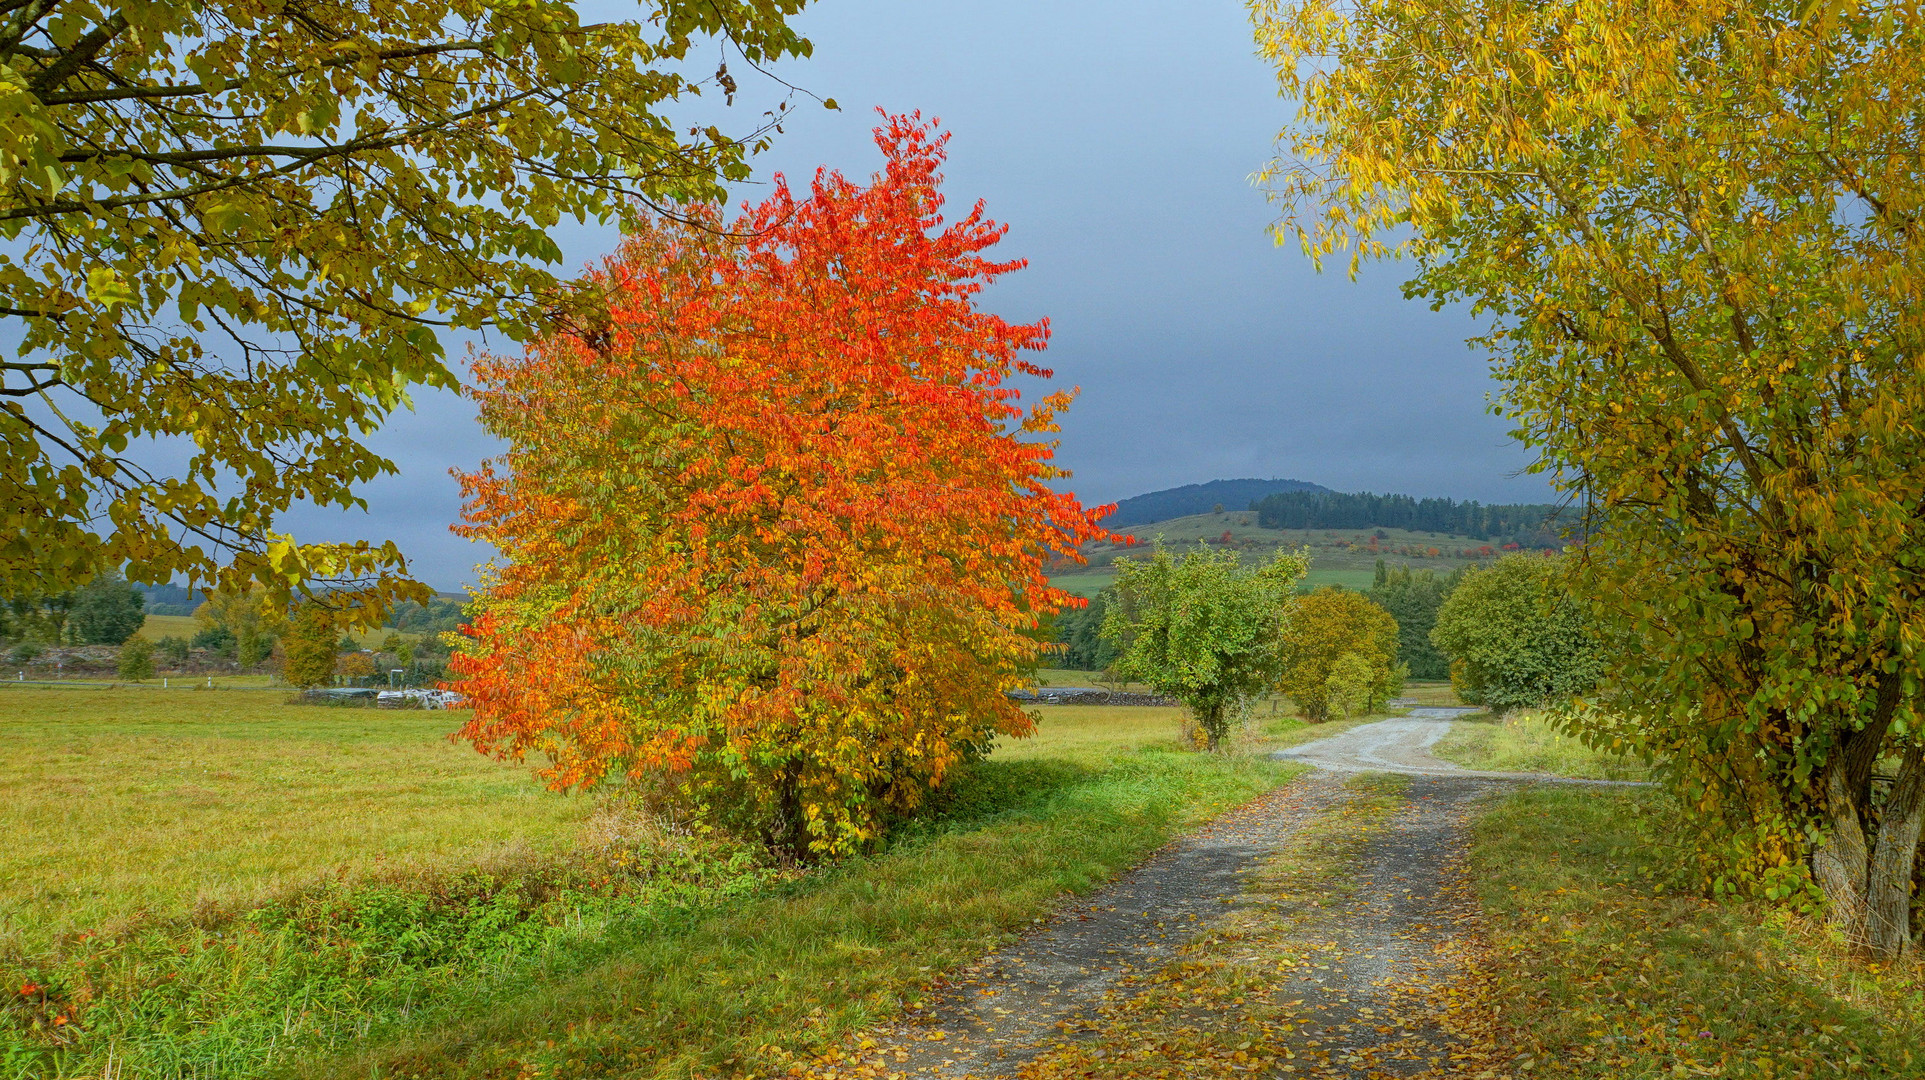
[
  {"x": 1695, "y": 230},
  {"x": 1328, "y": 625}
]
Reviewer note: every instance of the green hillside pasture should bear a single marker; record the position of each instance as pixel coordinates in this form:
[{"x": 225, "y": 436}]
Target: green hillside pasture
[
  {"x": 160, "y": 626},
  {"x": 1318, "y": 577},
  {"x": 1347, "y": 558},
  {"x": 1346, "y": 549},
  {"x": 268, "y": 889},
  {"x": 1084, "y": 584}
]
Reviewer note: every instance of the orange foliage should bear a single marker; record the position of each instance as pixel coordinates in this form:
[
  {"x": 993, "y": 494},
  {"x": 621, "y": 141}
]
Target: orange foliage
[{"x": 772, "y": 522}]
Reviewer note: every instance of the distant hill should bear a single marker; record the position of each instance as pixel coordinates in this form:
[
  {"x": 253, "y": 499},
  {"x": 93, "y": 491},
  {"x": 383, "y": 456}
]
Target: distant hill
[{"x": 1190, "y": 499}]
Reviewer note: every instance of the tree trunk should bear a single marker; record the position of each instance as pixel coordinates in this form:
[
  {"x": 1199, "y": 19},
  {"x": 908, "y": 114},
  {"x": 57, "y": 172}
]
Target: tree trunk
[
  {"x": 1212, "y": 720},
  {"x": 1888, "y": 887},
  {"x": 1865, "y": 864},
  {"x": 1840, "y": 864}
]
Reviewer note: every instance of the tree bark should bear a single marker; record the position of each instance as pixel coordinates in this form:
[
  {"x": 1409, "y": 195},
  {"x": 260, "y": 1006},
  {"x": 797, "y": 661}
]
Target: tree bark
[
  {"x": 1865, "y": 864},
  {"x": 1888, "y": 887},
  {"x": 1213, "y": 726},
  {"x": 1841, "y": 863}
]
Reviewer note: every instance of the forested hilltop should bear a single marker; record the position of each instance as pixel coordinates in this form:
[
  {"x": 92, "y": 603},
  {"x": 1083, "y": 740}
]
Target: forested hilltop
[
  {"x": 1189, "y": 499},
  {"x": 1526, "y": 524}
]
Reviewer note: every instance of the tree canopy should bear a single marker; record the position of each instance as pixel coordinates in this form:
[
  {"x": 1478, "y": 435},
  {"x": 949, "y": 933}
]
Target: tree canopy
[
  {"x": 1328, "y": 625},
  {"x": 1695, "y": 229},
  {"x": 106, "y": 611},
  {"x": 773, "y": 522},
  {"x": 1412, "y": 597},
  {"x": 1516, "y": 637},
  {"x": 238, "y": 229},
  {"x": 1202, "y": 629},
  {"x": 310, "y": 646}
]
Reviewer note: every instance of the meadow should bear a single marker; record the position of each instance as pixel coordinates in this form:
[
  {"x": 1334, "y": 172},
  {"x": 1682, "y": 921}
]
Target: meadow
[
  {"x": 220, "y": 885},
  {"x": 141, "y": 804},
  {"x": 1605, "y": 960},
  {"x": 162, "y": 626}
]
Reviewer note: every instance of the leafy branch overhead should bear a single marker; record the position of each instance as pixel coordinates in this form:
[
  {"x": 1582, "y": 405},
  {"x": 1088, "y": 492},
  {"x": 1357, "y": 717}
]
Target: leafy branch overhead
[{"x": 241, "y": 226}]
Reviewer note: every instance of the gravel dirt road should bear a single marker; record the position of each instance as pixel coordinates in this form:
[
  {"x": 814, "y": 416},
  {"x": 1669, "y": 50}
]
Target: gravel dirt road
[
  {"x": 1341, "y": 987},
  {"x": 1401, "y": 745}
]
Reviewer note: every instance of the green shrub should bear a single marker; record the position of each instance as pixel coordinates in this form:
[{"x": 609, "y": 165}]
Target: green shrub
[
  {"x": 172, "y": 650},
  {"x": 136, "y": 660},
  {"x": 1515, "y": 637}
]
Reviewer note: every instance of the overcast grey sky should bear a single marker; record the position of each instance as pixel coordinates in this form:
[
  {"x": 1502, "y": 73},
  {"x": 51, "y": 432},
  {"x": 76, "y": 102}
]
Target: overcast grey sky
[{"x": 1117, "y": 139}]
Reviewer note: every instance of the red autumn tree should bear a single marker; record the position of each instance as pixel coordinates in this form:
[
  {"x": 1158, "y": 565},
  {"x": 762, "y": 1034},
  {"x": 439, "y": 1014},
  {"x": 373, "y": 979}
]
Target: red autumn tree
[{"x": 772, "y": 521}]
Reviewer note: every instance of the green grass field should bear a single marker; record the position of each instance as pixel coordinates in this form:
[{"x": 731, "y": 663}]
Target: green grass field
[
  {"x": 160, "y": 626},
  {"x": 218, "y": 885},
  {"x": 125, "y": 803}
]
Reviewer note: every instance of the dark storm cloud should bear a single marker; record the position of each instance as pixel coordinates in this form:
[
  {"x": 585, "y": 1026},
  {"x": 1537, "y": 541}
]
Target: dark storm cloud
[{"x": 1117, "y": 140}]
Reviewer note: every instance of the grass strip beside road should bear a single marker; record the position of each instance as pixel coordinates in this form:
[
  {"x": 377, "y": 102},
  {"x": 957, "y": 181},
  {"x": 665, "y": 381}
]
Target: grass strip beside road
[
  {"x": 772, "y": 981},
  {"x": 1528, "y": 743},
  {"x": 1600, "y": 967}
]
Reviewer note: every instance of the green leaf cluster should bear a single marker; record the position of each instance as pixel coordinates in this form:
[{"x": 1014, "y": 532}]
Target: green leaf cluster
[{"x": 1078, "y": 632}]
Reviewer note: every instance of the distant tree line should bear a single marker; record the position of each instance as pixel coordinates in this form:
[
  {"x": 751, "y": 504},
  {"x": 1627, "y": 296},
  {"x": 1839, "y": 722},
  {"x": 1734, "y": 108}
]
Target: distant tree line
[
  {"x": 1413, "y": 597},
  {"x": 172, "y": 599},
  {"x": 1535, "y": 525},
  {"x": 105, "y": 611}
]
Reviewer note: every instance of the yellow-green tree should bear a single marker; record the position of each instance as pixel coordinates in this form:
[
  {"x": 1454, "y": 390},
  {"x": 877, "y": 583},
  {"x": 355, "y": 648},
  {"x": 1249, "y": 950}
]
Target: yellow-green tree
[
  {"x": 1353, "y": 679},
  {"x": 1326, "y": 626},
  {"x": 136, "y": 661},
  {"x": 244, "y": 225},
  {"x": 251, "y": 617},
  {"x": 310, "y": 646},
  {"x": 1695, "y": 228},
  {"x": 1515, "y": 636}
]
